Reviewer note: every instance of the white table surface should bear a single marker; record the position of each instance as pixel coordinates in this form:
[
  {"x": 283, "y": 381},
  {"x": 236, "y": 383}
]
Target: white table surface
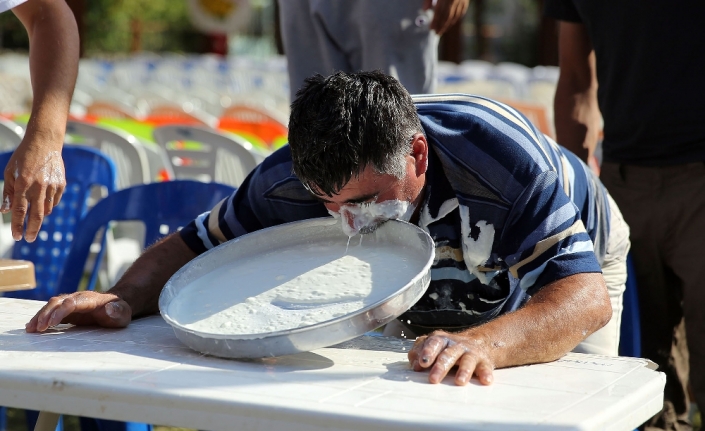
[{"x": 144, "y": 374}]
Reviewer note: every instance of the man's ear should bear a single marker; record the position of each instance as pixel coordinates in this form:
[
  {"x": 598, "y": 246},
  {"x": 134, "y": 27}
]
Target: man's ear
[{"x": 419, "y": 151}]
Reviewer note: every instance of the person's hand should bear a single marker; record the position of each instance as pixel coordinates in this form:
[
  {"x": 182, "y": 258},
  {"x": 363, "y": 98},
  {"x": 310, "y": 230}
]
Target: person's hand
[
  {"x": 446, "y": 13},
  {"x": 34, "y": 183},
  {"x": 440, "y": 351},
  {"x": 82, "y": 308}
]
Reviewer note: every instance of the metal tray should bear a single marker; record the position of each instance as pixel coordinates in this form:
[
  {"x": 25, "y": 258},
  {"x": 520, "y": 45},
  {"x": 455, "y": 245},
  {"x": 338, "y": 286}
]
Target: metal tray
[{"x": 302, "y": 339}]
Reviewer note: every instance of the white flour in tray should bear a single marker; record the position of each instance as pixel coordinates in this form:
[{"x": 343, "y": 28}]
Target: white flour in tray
[{"x": 292, "y": 287}]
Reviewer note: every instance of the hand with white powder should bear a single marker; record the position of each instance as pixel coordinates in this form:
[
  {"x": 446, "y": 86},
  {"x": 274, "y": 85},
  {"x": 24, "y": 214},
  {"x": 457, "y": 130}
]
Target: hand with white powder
[{"x": 34, "y": 176}]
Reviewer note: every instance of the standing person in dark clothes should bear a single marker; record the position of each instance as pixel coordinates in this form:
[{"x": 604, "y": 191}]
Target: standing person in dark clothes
[{"x": 647, "y": 57}]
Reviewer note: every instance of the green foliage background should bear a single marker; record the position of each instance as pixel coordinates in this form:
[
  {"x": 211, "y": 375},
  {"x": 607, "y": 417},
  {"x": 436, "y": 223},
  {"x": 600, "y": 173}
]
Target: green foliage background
[{"x": 107, "y": 25}]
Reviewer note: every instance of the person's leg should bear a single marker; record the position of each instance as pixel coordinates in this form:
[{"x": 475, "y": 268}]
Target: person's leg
[
  {"x": 605, "y": 341},
  {"x": 639, "y": 195},
  {"x": 686, "y": 190},
  {"x": 307, "y": 42},
  {"x": 395, "y": 38}
]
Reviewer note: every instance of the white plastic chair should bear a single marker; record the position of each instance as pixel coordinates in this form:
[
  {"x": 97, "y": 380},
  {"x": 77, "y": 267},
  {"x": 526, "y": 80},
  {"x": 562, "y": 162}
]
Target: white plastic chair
[
  {"x": 124, "y": 149},
  {"x": 11, "y": 134},
  {"x": 219, "y": 158}
]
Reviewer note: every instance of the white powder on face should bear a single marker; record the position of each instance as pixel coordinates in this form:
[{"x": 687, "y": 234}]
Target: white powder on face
[
  {"x": 366, "y": 218},
  {"x": 291, "y": 288}
]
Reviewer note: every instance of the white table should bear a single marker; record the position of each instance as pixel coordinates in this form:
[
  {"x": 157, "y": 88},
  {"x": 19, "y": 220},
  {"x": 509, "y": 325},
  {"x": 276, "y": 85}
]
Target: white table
[{"x": 144, "y": 374}]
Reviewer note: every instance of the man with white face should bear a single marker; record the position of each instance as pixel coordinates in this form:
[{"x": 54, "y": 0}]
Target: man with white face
[{"x": 523, "y": 230}]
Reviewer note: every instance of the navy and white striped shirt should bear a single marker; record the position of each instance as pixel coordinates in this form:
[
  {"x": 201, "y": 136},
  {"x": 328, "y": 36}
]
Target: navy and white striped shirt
[{"x": 509, "y": 210}]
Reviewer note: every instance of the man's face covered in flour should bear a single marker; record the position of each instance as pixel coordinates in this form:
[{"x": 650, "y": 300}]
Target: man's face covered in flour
[{"x": 370, "y": 199}]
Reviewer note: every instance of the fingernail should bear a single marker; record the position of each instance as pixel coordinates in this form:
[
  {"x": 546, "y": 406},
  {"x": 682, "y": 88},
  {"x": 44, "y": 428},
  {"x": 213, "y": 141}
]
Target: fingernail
[
  {"x": 52, "y": 319},
  {"x": 16, "y": 236},
  {"x": 112, "y": 309}
]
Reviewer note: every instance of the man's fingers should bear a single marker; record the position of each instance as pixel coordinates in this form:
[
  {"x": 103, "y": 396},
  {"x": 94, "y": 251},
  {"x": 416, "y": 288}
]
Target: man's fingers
[
  {"x": 114, "y": 314},
  {"x": 431, "y": 348},
  {"x": 7, "y": 193},
  {"x": 19, "y": 212},
  {"x": 36, "y": 216},
  {"x": 49, "y": 200},
  {"x": 445, "y": 361},
  {"x": 59, "y": 193},
  {"x": 38, "y": 322},
  {"x": 440, "y": 17},
  {"x": 82, "y": 308},
  {"x": 484, "y": 373},
  {"x": 467, "y": 365}
]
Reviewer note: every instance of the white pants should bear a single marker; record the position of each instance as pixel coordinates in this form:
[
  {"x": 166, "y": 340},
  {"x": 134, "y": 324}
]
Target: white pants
[{"x": 605, "y": 341}]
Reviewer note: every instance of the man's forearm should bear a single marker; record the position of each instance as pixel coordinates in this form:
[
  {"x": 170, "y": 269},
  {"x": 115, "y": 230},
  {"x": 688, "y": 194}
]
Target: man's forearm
[
  {"x": 53, "y": 62},
  {"x": 143, "y": 281},
  {"x": 552, "y": 323},
  {"x": 577, "y": 118}
]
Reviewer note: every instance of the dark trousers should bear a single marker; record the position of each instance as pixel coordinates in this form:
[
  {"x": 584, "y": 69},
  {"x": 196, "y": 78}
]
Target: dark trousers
[{"x": 665, "y": 209}]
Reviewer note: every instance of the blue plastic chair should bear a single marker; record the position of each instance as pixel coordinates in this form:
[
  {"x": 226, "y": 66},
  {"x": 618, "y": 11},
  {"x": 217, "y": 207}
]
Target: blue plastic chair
[
  {"x": 85, "y": 168},
  {"x": 630, "y": 331},
  {"x": 162, "y": 207}
]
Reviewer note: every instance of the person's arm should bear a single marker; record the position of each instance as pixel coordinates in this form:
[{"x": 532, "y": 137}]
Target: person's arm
[
  {"x": 445, "y": 13},
  {"x": 34, "y": 176},
  {"x": 135, "y": 294},
  {"x": 553, "y": 322},
  {"x": 576, "y": 111}
]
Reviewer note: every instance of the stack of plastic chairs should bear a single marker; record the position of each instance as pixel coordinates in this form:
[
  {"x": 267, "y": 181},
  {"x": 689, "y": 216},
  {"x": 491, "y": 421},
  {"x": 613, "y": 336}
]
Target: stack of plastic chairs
[
  {"x": 257, "y": 124},
  {"x": 206, "y": 155}
]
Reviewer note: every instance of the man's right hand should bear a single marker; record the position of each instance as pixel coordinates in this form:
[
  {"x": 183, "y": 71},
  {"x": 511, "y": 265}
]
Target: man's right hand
[{"x": 82, "y": 308}]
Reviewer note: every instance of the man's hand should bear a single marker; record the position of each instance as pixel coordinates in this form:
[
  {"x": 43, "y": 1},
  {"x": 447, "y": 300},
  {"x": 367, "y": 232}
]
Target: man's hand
[
  {"x": 34, "y": 178},
  {"x": 441, "y": 351},
  {"x": 82, "y": 308},
  {"x": 34, "y": 183},
  {"x": 446, "y": 13}
]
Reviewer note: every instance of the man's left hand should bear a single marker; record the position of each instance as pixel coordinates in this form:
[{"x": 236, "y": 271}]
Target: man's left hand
[
  {"x": 446, "y": 13},
  {"x": 441, "y": 351}
]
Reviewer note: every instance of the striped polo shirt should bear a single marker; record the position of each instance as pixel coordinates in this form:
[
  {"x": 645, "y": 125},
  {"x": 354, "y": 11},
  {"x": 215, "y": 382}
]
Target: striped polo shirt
[{"x": 509, "y": 210}]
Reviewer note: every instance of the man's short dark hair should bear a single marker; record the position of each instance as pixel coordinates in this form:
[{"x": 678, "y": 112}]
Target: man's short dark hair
[{"x": 343, "y": 123}]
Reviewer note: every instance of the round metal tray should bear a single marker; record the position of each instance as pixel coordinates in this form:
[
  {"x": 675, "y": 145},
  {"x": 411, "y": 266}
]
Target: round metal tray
[{"x": 302, "y": 339}]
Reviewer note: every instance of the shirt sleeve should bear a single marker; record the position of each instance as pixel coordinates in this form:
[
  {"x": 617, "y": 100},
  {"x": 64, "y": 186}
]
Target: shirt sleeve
[
  {"x": 6, "y": 5},
  {"x": 269, "y": 196},
  {"x": 546, "y": 239},
  {"x": 562, "y": 10}
]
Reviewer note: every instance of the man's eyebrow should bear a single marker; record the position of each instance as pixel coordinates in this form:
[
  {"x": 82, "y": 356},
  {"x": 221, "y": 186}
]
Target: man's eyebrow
[{"x": 355, "y": 200}]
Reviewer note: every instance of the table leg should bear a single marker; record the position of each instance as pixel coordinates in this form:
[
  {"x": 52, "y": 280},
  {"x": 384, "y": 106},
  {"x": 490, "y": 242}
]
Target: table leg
[{"x": 47, "y": 421}]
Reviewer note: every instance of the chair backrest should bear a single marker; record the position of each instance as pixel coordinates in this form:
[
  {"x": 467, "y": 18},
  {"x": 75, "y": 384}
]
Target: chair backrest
[
  {"x": 254, "y": 121},
  {"x": 124, "y": 149},
  {"x": 205, "y": 155},
  {"x": 104, "y": 109},
  {"x": 85, "y": 168},
  {"x": 10, "y": 134},
  {"x": 536, "y": 113},
  {"x": 163, "y": 208}
]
